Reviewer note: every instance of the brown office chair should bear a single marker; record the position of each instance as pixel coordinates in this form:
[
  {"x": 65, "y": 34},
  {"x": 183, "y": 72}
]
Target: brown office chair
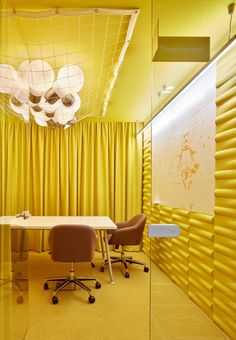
[
  {"x": 72, "y": 243},
  {"x": 127, "y": 233}
]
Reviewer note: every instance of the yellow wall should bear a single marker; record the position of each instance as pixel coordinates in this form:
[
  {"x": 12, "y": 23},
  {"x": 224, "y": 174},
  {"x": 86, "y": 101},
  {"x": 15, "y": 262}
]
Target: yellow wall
[{"x": 202, "y": 260}]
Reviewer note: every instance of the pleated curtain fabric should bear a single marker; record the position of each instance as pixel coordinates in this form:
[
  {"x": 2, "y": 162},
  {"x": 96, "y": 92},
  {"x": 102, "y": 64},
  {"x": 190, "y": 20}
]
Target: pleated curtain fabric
[{"x": 92, "y": 168}]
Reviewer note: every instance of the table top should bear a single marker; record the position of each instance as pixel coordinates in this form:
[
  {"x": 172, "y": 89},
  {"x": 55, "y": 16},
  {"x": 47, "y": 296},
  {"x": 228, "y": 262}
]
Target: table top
[{"x": 47, "y": 222}]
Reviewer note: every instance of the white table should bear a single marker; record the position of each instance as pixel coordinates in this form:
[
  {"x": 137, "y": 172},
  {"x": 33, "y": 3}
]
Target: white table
[{"x": 101, "y": 223}]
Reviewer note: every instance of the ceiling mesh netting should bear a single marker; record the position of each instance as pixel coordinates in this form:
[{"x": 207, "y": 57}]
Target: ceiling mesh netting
[{"x": 58, "y": 66}]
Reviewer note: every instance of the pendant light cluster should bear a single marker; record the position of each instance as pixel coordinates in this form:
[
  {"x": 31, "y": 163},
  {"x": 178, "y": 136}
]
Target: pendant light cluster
[{"x": 34, "y": 91}]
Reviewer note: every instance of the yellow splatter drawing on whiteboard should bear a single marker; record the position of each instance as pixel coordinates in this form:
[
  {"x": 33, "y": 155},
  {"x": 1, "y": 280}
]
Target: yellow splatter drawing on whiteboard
[
  {"x": 183, "y": 149},
  {"x": 187, "y": 164}
]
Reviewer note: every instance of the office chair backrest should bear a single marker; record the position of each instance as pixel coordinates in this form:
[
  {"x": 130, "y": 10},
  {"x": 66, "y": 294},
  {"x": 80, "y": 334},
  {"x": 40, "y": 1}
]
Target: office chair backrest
[
  {"x": 139, "y": 222},
  {"x": 72, "y": 243}
]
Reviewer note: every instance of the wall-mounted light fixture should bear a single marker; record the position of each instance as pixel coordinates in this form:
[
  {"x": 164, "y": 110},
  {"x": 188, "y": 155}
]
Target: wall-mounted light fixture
[{"x": 165, "y": 89}]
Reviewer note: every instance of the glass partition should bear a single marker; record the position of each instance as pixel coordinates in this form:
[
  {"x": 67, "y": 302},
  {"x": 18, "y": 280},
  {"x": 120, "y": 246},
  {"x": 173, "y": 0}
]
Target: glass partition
[
  {"x": 5, "y": 282},
  {"x": 14, "y": 189},
  {"x": 14, "y": 281}
]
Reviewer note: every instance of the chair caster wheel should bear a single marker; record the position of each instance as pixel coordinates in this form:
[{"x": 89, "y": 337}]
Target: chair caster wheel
[
  {"x": 126, "y": 275},
  {"x": 45, "y": 286},
  {"x": 102, "y": 270},
  {"x": 91, "y": 299},
  {"x": 98, "y": 285},
  {"x": 20, "y": 300},
  {"x": 54, "y": 300},
  {"x": 146, "y": 269}
]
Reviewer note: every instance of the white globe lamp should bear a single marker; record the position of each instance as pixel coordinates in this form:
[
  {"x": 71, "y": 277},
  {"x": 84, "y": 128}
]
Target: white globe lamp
[
  {"x": 70, "y": 79},
  {"x": 22, "y": 109},
  {"x": 41, "y": 78},
  {"x": 65, "y": 114}
]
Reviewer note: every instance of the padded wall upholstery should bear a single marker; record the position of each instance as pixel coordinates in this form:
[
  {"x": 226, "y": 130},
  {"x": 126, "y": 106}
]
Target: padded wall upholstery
[
  {"x": 202, "y": 260},
  {"x": 225, "y": 198}
]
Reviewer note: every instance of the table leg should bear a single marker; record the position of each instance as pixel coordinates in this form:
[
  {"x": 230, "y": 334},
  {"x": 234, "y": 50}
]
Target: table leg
[
  {"x": 22, "y": 242},
  {"x": 108, "y": 257},
  {"x": 102, "y": 244}
]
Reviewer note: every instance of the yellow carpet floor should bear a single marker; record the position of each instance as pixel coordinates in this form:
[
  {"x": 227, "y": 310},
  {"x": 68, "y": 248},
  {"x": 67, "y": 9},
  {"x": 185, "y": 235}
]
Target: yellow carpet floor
[{"x": 147, "y": 306}]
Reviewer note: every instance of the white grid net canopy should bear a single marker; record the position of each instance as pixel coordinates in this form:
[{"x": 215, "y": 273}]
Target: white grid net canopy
[{"x": 58, "y": 66}]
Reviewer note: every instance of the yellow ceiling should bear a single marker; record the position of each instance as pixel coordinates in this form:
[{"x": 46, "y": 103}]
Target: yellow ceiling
[{"x": 135, "y": 94}]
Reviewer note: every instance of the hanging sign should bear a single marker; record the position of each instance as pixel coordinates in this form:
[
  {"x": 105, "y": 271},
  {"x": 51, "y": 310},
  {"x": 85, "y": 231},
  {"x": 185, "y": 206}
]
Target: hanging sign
[{"x": 181, "y": 49}]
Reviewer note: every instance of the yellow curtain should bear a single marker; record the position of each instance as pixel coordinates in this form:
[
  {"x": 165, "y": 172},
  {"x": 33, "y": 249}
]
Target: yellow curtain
[
  {"x": 92, "y": 168},
  {"x": 14, "y": 167}
]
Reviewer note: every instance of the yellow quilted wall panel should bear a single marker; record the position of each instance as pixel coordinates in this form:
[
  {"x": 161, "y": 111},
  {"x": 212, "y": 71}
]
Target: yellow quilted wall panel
[
  {"x": 146, "y": 193},
  {"x": 180, "y": 249},
  {"x": 224, "y": 282},
  {"x": 201, "y": 250}
]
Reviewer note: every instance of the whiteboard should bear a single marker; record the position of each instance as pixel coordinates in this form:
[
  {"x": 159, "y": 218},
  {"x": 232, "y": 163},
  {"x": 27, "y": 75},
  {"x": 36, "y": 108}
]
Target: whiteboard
[{"x": 183, "y": 148}]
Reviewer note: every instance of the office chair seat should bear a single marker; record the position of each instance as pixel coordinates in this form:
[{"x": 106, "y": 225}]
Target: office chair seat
[{"x": 72, "y": 243}]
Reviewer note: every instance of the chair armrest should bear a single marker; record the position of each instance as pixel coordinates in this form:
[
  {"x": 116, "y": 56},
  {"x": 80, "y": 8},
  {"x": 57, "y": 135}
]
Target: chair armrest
[
  {"x": 121, "y": 225},
  {"x": 124, "y": 236}
]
